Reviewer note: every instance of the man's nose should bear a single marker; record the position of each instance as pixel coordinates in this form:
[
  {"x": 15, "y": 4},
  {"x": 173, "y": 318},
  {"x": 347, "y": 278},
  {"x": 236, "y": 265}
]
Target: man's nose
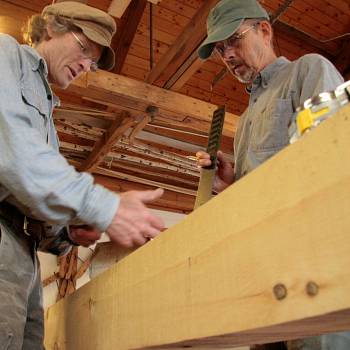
[
  {"x": 229, "y": 54},
  {"x": 85, "y": 64}
]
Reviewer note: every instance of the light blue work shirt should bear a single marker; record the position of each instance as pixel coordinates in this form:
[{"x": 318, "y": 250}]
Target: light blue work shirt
[{"x": 34, "y": 176}]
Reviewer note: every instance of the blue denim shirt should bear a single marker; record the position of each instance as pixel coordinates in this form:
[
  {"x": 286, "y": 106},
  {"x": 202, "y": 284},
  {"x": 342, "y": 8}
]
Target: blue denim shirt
[
  {"x": 274, "y": 96},
  {"x": 34, "y": 176}
]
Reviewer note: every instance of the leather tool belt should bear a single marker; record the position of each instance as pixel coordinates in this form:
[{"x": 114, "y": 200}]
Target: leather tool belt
[{"x": 32, "y": 228}]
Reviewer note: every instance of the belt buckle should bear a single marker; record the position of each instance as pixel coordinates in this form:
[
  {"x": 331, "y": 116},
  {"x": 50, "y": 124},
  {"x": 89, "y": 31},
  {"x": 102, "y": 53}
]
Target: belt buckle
[{"x": 25, "y": 226}]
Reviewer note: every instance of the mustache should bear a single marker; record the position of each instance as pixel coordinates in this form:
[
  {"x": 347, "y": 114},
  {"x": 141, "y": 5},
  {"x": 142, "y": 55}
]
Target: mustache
[
  {"x": 230, "y": 64},
  {"x": 234, "y": 63}
]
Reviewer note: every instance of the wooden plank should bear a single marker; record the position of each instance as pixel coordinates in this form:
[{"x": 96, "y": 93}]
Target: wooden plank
[
  {"x": 104, "y": 145},
  {"x": 150, "y": 172},
  {"x": 118, "y": 7},
  {"x": 329, "y": 8},
  {"x": 210, "y": 280},
  {"x": 185, "y": 44},
  {"x": 288, "y": 29},
  {"x": 184, "y": 73},
  {"x": 295, "y": 19},
  {"x": 115, "y": 174},
  {"x": 170, "y": 201},
  {"x": 183, "y": 8},
  {"x": 108, "y": 87},
  {"x": 126, "y": 32}
]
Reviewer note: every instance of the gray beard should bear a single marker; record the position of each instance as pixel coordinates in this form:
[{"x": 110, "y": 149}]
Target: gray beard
[{"x": 247, "y": 78}]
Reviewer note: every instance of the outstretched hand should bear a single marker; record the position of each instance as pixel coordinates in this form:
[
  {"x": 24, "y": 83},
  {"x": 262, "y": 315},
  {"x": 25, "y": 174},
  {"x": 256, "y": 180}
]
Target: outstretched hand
[{"x": 134, "y": 224}]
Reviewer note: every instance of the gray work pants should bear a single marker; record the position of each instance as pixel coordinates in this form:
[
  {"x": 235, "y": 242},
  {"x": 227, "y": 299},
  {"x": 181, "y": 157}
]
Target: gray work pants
[{"x": 21, "y": 310}]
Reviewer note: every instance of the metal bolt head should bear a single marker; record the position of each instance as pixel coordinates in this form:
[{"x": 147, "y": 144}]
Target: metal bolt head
[
  {"x": 312, "y": 289},
  {"x": 152, "y": 110},
  {"x": 280, "y": 291}
]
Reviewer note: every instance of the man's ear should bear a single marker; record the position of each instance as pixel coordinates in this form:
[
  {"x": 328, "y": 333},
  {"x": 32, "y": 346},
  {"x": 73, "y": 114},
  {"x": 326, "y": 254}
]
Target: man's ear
[
  {"x": 49, "y": 33},
  {"x": 266, "y": 30}
]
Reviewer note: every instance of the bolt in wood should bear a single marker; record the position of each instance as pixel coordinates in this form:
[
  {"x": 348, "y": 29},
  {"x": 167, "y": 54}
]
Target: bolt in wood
[
  {"x": 280, "y": 291},
  {"x": 312, "y": 289}
]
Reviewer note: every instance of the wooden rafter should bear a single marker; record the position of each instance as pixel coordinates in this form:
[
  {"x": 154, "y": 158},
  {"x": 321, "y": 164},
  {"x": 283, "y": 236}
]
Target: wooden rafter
[
  {"x": 118, "y": 175},
  {"x": 156, "y": 167},
  {"x": 118, "y": 7},
  {"x": 104, "y": 145},
  {"x": 121, "y": 151},
  {"x": 155, "y": 174},
  {"x": 287, "y": 29},
  {"x": 171, "y": 201},
  {"x": 126, "y": 31},
  {"x": 184, "y": 73},
  {"x": 184, "y": 46},
  {"x": 135, "y": 95},
  {"x": 140, "y": 180}
]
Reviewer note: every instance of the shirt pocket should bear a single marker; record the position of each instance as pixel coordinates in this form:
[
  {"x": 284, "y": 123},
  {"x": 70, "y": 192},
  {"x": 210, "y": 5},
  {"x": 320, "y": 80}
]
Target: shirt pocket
[
  {"x": 38, "y": 109},
  {"x": 270, "y": 130}
]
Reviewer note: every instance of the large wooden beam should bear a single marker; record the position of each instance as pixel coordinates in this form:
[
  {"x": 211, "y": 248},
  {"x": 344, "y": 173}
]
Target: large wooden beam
[
  {"x": 126, "y": 31},
  {"x": 118, "y": 7},
  {"x": 265, "y": 260},
  {"x": 116, "y": 131},
  {"x": 135, "y": 95},
  {"x": 170, "y": 201},
  {"x": 184, "y": 73},
  {"x": 184, "y": 46}
]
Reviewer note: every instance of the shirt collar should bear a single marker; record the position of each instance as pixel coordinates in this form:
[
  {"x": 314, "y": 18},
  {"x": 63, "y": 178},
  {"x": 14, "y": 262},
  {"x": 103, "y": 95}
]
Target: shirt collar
[
  {"x": 267, "y": 74},
  {"x": 37, "y": 62}
]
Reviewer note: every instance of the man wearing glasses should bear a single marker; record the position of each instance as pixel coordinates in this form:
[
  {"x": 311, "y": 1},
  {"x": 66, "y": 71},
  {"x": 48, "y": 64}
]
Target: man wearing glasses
[
  {"x": 41, "y": 195},
  {"x": 240, "y": 35}
]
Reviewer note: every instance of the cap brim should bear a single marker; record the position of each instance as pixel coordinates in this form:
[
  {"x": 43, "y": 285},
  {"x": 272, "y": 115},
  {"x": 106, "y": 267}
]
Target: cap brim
[{"x": 222, "y": 33}]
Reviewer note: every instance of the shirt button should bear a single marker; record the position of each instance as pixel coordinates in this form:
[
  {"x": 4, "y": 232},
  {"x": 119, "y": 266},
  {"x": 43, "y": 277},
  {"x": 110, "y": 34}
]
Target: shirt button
[
  {"x": 255, "y": 99},
  {"x": 49, "y": 97}
]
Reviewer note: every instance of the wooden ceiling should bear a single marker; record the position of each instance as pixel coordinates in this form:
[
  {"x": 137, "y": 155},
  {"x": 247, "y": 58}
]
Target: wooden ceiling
[{"x": 138, "y": 126}]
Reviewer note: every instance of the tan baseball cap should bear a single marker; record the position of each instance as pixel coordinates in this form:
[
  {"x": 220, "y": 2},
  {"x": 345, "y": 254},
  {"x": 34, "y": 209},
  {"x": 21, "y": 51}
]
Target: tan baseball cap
[{"x": 97, "y": 25}]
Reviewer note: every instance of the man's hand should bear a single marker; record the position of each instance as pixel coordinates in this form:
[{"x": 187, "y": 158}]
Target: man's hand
[
  {"x": 224, "y": 176},
  {"x": 134, "y": 224},
  {"x": 84, "y": 235}
]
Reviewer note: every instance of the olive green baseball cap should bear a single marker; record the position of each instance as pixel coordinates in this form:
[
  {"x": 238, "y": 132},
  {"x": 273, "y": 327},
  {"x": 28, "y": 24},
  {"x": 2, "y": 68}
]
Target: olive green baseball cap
[
  {"x": 224, "y": 20},
  {"x": 96, "y": 24}
]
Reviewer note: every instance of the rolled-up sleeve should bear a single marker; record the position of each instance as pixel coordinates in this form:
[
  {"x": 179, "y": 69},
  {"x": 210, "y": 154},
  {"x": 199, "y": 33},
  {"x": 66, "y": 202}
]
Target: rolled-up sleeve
[{"x": 33, "y": 171}]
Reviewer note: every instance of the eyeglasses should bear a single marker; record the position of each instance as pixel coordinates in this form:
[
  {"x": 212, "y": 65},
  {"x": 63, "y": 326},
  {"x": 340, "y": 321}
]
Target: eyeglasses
[
  {"x": 84, "y": 50},
  {"x": 233, "y": 40}
]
